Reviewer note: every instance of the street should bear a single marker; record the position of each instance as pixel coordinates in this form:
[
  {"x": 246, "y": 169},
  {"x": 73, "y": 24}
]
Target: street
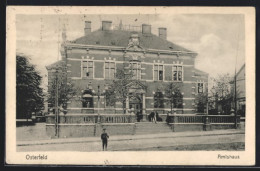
[{"x": 206, "y": 142}]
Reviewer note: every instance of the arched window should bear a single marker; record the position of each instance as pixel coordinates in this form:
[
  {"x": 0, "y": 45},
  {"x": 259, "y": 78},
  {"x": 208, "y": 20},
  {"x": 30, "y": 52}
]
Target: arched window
[
  {"x": 87, "y": 99},
  {"x": 158, "y": 100}
]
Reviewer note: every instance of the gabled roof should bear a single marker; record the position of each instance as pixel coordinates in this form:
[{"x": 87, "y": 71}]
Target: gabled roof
[
  {"x": 136, "y": 85},
  {"x": 59, "y": 63},
  {"x": 242, "y": 67},
  {"x": 121, "y": 38},
  {"x": 200, "y": 73}
]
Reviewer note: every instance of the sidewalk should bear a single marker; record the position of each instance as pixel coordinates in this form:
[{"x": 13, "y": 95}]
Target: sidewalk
[{"x": 133, "y": 137}]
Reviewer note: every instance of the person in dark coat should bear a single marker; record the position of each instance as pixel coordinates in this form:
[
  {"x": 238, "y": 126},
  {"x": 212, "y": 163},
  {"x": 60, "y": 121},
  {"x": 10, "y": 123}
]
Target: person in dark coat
[
  {"x": 168, "y": 117},
  {"x": 104, "y": 138},
  {"x": 152, "y": 116},
  {"x": 138, "y": 115}
]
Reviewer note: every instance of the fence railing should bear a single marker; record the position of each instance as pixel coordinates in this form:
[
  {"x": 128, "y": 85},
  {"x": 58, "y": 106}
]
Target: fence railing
[
  {"x": 128, "y": 28},
  {"x": 222, "y": 119},
  {"x": 127, "y": 118},
  {"x": 203, "y": 119},
  {"x": 91, "y": 118},
  {"x": 117, "y": 118}
]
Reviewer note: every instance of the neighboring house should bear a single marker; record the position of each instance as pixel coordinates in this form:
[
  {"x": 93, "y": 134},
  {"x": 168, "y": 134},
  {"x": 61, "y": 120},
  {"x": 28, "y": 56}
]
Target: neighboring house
[
  {"x": 241, "y": 91},
  {"x": 92, "y": 61}
]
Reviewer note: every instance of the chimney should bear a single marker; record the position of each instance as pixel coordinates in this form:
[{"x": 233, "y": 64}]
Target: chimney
[
  {"x": 146, "y": 29},
  {"x": 87, "y": 28},
  {"x": 162, "y": 32},
  {"x": 106, "y": 25}
]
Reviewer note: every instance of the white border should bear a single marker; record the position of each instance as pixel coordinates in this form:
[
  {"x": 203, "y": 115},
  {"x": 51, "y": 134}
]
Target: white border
[{"x": 247, "y": 157}]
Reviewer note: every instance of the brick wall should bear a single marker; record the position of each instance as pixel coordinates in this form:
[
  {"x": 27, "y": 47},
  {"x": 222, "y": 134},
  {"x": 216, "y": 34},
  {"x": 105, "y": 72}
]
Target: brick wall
[{"x": 76, "y": 55}]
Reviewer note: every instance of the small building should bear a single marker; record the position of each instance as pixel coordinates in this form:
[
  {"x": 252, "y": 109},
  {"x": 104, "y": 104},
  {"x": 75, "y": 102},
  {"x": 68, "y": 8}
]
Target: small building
[
  {"x": 93, "y": 59},
  {"x": 241, "y": 91}
]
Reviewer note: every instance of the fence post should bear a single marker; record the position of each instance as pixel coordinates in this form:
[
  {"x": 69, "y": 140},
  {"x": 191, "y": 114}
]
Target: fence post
[
  {"x": 238, "y": 121},
  {"x": 174, "y": 120},
  {"x": 206, "y": 125}
]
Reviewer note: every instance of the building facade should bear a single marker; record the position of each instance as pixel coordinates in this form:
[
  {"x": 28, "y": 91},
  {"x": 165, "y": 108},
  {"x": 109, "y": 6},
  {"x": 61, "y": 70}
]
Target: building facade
[
  {"x": 241, "y": 91},
  {"x": 92, "y": 61}
]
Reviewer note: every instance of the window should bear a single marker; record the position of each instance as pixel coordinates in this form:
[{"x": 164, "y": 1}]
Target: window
[
  {"x": 108, "y": 105},
  {"x": 88, "y": 69},
  {"x": 158, "y": 72},
  {"x": 87, "y": 102},
  {"x": 200, "y": 87},
  {"x": 87, "y": 99},
  {"x": 136, "y": 70},
  {"x": 158, "y": 100},
  {"x": 177, "y": 73},
  {"x": 178, "y": 103},
  {"x": 109, "y": 70}
]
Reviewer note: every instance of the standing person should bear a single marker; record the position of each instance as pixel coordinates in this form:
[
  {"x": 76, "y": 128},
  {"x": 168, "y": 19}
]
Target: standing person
[
  {"x": 168, "y": 117},
  {"x": 155, "y": 117},
  {"x": 104, "y": 138},
  {"x": 152, "y": 116},
  {"x": 138, "y": 116}
]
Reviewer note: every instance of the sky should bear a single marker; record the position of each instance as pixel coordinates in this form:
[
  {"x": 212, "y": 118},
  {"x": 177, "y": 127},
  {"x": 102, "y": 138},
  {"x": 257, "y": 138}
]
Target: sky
[{"x": 217, "y": 38}]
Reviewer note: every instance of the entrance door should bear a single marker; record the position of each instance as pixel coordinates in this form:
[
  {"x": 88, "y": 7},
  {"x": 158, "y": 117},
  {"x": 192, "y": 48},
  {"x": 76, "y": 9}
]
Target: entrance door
[
  {"x": 137, "y": 107},
  {"x": 137, "y": 110}
]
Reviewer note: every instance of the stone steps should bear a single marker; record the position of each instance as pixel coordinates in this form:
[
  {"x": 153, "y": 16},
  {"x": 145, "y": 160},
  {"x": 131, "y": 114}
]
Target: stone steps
[{"x": 151, "y": 128}]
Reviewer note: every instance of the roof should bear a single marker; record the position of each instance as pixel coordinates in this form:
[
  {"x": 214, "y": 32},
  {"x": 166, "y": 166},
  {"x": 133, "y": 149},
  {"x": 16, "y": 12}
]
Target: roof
[
  {"x": 54, "y": 64},
  {"x": 242, "y": 67},
  {"x": 200, "y": 73},
  {"x": 121, "y": 38}
]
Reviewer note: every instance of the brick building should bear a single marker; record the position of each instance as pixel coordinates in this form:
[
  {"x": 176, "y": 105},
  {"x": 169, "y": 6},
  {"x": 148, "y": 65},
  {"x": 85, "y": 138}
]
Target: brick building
[{"x": 93, "y": 59}]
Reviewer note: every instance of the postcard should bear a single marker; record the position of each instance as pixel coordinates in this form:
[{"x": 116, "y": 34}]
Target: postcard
[{"x": 119, "y": 85}]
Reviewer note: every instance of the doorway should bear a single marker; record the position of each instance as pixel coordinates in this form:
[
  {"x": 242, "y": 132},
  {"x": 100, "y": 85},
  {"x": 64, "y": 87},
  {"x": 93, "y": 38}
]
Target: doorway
[
  {"x": 137, "y": 107},
  {"x": 135, "y": 103}
]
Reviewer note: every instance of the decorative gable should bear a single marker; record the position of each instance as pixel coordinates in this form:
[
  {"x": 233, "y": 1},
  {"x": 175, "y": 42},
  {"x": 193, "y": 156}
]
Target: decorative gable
[
  {"x": 134, "y": 44},
  {"x": 136, "y": 86}
]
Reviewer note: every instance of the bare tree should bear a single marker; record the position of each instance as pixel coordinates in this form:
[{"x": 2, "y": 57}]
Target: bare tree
[
  {"x": 223, "y": 92},
  {"x": 201, "y": 101},
  {"x": 118, "y": 90},
  {"x": 174, "y": 95},
  {"x": 66, "y": 89}
]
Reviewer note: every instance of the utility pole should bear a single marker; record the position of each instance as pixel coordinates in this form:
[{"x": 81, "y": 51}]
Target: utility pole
[
  {"x": 235, "y": 83},
  {"x": 56, "y": 104}
]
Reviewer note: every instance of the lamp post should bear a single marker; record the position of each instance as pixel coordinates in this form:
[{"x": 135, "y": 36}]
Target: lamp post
[
  {"x": 172, "y": 100},
  {"x": 56, "y": 72},
  {"x": 98, "y": 93}
]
